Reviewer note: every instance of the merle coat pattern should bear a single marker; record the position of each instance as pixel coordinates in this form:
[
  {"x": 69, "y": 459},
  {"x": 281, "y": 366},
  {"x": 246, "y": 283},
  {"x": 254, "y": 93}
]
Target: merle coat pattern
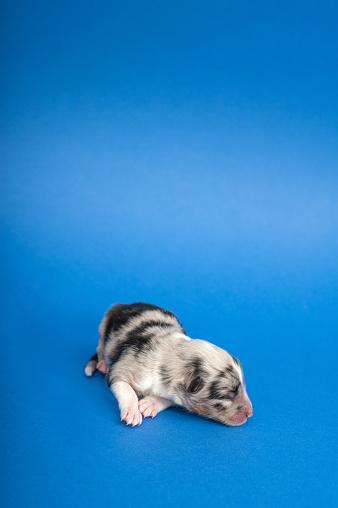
[{"x": 151, "y": 364}]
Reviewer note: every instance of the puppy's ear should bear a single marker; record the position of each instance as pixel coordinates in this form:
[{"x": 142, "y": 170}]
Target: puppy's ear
[{"x": 195, "y": 385}]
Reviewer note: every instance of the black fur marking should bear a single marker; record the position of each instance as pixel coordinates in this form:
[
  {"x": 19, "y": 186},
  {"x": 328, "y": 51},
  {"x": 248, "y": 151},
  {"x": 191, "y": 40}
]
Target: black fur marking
[
  {"x": 196, "y": 362},
  {"x": 135, "y": 342},
  {"x": 139, "y": 330},
  {"x": 218, "y": 405},
  {"x": 239, "y": 408},
  {"x": 218, "y": 391},
  {"x": 165, "y": 376},
  {"x": 119, "y": 317},
  {"x": 215, "y": 391},
  {"x": 228, "y": 373},
  {"x": 94, "y": 358},
  {"x": 228, "y": 396},
  {"x": 196, "y": 365},
  {"x": 108, "y": 379},
  {"x": 236, "y": 390}
]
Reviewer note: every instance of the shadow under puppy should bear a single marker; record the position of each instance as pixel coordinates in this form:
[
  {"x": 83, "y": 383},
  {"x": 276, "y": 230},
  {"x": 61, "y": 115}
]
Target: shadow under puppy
[{"x": 145, "y": 352}]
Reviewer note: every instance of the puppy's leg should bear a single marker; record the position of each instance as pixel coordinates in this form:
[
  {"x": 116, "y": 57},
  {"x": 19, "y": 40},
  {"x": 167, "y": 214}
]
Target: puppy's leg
[
  {"x": 152, "y": 404},
  {"x": 128, "y": 403},
  {"x": 102, "y": 367}
]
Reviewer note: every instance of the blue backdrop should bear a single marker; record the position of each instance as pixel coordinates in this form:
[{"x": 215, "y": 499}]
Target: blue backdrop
[{"x": 183, "y": 154}]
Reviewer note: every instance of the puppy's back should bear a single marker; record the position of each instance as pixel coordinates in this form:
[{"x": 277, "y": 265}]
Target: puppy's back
[{"x": 134, "y": 328}]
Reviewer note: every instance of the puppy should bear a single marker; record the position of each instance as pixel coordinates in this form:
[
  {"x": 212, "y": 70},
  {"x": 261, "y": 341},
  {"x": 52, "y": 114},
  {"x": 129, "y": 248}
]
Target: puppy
[{"x": 145, "y": 352}]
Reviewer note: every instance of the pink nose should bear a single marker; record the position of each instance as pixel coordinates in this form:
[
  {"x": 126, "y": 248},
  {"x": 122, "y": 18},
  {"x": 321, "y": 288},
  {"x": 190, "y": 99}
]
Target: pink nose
[{"x": 249, "y": 412}]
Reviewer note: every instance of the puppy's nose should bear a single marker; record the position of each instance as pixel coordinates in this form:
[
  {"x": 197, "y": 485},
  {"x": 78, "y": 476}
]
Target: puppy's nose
[{"x": 249, "y": 412}]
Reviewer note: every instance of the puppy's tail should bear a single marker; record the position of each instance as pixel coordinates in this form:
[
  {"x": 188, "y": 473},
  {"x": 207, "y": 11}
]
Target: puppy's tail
[{"x": 91, "y": 365}]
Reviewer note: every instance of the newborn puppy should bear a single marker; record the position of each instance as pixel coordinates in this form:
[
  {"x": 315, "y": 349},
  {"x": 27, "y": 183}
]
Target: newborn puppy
[{"x": 145, "y": 352}]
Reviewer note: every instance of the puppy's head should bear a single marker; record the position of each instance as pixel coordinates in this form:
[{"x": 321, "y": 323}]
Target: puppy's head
[{"x": 214, "y": 384}]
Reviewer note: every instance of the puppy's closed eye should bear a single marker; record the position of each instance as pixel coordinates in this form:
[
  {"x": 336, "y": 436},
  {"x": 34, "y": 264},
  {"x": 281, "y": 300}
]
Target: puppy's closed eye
[{"x": 196, "y": 385}]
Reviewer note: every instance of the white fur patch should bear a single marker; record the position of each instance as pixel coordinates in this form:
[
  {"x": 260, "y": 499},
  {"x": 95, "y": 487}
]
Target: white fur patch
[
  {"x": 179, "y": 335},
  {"x": 239, "y": 371}
]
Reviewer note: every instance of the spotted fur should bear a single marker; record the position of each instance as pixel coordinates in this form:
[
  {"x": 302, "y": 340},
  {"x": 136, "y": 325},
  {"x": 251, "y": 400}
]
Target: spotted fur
[{"x": 146, "y": 353}]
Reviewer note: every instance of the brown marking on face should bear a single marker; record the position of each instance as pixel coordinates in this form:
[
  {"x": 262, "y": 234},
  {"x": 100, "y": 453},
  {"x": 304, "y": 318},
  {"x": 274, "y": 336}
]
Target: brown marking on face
[{"x": 201, "y": 411}]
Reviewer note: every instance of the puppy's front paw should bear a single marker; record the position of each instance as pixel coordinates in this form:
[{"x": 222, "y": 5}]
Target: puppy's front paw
[
  {"x": 131, "y": 416},
  {"x": 149, "y": 406}
]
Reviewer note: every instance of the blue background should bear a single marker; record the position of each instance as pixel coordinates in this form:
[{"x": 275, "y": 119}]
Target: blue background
[{"x": 183, "y": 154}]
